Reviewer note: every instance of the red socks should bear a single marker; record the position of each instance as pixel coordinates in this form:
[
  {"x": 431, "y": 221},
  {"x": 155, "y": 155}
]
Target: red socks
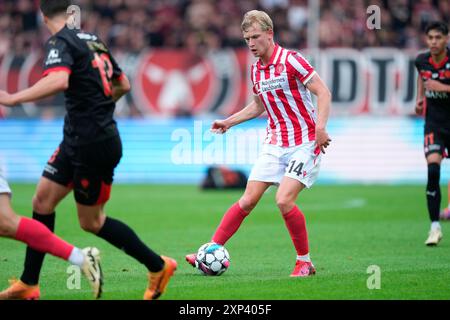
[
  {"x": 40, "y": 238},
  {"x": 294, "y": 219},
  {"x": 230, "y": 224},
  {"x": 296, "y": 224}
]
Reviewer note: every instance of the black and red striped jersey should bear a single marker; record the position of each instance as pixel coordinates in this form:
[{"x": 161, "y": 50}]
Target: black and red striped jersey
[
  {"x": 88, "y": 99},
  {"x": 437, "y": 103}
]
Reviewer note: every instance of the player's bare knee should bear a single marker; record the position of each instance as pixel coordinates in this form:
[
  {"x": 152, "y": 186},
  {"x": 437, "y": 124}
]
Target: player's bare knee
[
  {"x": 92, "y": 226},
  {"x": 7, "y": 228},
  {"x": 43, "y": 203},
  {"x": 247, "y": 203},
  {"x": 4, "y": 228},
  {"x": 285, "y": 204}
]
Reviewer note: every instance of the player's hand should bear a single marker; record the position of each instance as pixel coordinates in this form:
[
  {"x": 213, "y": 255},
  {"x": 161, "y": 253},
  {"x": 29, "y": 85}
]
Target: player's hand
[
  {"x": 433, "y": 85},
  {"x": 322, "y": 139},
  {"x": 219, "y": 126},
  {"x": 419, "y": 107},
  {"x": 6, "y": 99}
]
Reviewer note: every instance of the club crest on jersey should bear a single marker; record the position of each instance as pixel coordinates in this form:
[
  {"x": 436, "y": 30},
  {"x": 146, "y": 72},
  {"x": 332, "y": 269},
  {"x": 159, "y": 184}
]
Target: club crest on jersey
[
  {"x": 426, "y": 74},
  {"x": 279, "y": 68},
  {"x": 53, "y": 57},
  {"x": 256, "y": 88}
]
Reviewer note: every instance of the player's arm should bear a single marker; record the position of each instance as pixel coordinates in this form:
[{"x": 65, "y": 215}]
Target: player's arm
[
  {"x": 252, "y": 110},
  {"x": 49, "y": 85},
  {"x": 420, "y": 96},
  {"x": 434, "y": 85},
  {"x": 121, "y": 86},
  {"x": 317, "y": 87}
]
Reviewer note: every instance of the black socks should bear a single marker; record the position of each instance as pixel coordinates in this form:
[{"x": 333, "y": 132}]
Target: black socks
[
  {"x": 123, "y": 237},
  {"x": 34, "y": 259},
  {"x": 433, "y": 191}
]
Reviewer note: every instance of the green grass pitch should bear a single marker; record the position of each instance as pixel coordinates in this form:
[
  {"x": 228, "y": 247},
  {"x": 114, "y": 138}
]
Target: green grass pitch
[{"x": 350, "y": 228}]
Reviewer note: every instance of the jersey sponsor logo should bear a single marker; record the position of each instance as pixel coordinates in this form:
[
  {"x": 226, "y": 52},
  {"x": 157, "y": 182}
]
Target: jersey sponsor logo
[
  {"x": 87, "y": 36},
  {"x": 53, "y": 57},
  {"x": 436, "y": 95},
  {"x": 271, "y": 84}
]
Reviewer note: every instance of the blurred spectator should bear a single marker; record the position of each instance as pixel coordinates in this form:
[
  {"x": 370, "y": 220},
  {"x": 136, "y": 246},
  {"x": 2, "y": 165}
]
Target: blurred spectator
[{"x": 204, "y": 25}]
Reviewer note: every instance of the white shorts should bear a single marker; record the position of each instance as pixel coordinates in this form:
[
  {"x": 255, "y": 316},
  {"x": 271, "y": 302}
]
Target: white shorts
[
  {"x": 4, "y": 187},
  {"x": 301, "y": 163}
]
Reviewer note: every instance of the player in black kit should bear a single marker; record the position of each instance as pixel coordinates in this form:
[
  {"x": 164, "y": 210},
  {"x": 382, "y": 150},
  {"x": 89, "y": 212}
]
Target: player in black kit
[
  {"x": 79, "y": 64},
  {"x": 433, "y": 97}
]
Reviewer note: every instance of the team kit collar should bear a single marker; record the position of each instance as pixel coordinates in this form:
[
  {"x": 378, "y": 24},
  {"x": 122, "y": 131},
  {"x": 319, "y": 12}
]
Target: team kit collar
[
  {"x": 273, "y": 58},
  {"x": 440, "y": 64}
]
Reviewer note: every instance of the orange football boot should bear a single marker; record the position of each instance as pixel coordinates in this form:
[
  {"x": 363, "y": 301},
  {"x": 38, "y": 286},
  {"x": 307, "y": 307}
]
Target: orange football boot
[
  {"x": 20, "y": 291},
  {"x": 157, "y": 281}
]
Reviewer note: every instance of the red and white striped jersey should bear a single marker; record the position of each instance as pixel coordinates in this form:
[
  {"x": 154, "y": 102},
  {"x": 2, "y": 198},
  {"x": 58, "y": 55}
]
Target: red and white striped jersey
[{"x": 281, "y": 87}]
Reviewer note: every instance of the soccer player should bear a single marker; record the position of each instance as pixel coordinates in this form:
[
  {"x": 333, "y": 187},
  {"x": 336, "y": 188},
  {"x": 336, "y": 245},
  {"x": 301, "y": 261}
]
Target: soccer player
[
  {"x": 433, "y": 84},
  {"x": 296, "y": 135},
  {"x": 40, "y": 238},
  {"x": 81, "y": 65}
]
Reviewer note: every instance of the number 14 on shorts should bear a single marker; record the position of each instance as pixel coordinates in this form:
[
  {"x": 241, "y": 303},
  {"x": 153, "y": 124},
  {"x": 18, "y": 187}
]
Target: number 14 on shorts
[{"x": 296, "y": 167}]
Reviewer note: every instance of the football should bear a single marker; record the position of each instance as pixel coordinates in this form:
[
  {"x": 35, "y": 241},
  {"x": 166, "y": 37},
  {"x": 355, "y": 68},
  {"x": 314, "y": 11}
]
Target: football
[{"x": 212, "y": 259}]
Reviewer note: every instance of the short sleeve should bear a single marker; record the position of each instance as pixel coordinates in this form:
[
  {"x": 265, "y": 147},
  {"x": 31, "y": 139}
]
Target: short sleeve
[
  {"x": 417, "y": 63},
  {"x": 301, "y": 67},
  {"x": 117, "y": 72},
  {"x": 57, "y": 57}
]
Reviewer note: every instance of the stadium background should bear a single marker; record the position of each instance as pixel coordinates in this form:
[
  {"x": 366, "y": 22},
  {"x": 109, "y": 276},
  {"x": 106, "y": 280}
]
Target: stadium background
[{"x": 189, "y": 65}]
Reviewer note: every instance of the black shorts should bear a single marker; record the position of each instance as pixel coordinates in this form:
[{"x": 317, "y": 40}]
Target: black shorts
[
  {"x": 88, "y": 169},
  {"x": 436, "y": 141}
]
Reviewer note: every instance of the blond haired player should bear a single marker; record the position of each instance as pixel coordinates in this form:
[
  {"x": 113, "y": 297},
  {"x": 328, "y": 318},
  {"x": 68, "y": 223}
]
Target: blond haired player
[{"x": 283, "y": 81}]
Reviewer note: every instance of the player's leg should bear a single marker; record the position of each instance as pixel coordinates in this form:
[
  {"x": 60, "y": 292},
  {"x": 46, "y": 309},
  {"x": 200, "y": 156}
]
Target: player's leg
[
  {"x": 53, "y": 186},
  {"x": 236, "y": 214},
  {"x": 93, "y": 219},
  {"x": 39, "y": 238},
  {"x": 267, "y": 171},
  {"x": 434, "y": 150},
  {"x": 445, "y": 213},
  {"x": 47, "y": 196},
  {"x": 27, "y": 287},
  {"x": 92, "y": 186},
  {"x": 9, "y": 221},
  {"x": 296, "y": 224},
  {"x": 30, "y": 231},
  {"x": 301, "y": 172}
]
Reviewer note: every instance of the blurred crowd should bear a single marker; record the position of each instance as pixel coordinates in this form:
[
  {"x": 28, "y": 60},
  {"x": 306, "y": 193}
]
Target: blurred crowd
[{"x": 132, "y": 25}]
